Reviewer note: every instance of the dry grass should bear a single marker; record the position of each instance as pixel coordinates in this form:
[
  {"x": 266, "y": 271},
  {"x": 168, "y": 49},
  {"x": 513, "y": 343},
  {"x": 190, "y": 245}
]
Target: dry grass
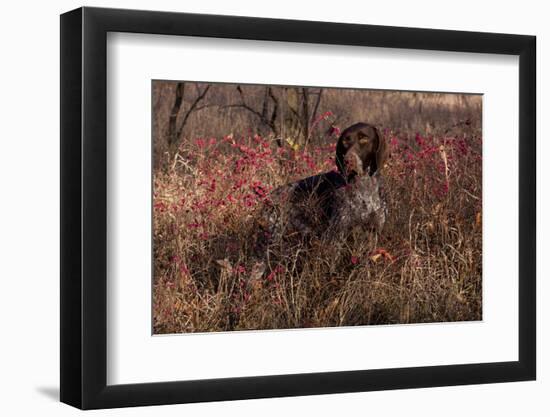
[{"x": 424, "y": 266}]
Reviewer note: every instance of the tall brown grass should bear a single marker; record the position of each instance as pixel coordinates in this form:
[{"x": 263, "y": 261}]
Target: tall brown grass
[{"x": 424, "y": 266}]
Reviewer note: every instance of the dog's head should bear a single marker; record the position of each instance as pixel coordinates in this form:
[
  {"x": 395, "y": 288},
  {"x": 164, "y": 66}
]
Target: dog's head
[{"x": 361, "y": 150}]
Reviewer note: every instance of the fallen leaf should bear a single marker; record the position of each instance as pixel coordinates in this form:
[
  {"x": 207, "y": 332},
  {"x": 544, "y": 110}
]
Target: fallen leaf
[
  {"x": 381, "y": 252},
  {"x": 376, "y": 257}
]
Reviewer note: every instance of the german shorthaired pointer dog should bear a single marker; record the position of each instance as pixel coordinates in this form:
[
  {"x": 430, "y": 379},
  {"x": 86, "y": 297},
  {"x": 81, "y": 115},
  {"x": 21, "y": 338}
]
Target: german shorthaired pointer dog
[{"x": 332, "y": 202}]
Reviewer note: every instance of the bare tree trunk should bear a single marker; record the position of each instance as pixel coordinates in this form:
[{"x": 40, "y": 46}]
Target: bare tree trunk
[
  {"x": 273, "y": 118},
  {"x": 305, "y": 115},
  {"x": 178, "y": 101}
]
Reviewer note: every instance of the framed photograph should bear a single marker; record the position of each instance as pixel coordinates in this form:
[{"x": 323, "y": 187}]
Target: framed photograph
[{"x": 257, "y": 208}]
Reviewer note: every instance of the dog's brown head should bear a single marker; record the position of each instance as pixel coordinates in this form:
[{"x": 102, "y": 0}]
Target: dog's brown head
[{"x": 361, "y": 150}]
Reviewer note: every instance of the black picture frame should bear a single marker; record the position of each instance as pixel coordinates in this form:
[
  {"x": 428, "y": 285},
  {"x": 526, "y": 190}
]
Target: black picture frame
[{"x": 84, "y": 207}]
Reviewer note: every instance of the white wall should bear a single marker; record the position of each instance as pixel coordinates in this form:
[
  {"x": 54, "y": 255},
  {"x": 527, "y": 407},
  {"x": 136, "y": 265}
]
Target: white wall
[{"x": 29, "y": 237}]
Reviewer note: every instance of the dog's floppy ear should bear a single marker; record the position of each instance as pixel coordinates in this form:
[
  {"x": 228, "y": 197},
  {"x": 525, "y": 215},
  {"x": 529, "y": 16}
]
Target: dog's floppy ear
[
  {"x": 340, "y": 155},
  {"x": 381, "y": 152}
]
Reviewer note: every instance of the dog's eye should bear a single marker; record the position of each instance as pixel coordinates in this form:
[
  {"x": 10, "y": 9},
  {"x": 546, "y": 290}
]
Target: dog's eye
[{"x": 364, "y": 141}]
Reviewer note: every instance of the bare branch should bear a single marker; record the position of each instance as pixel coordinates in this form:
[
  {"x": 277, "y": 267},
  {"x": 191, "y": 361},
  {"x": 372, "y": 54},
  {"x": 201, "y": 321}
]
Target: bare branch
[
  {"x": 192, "y": 108},
  {"x": 269, "y": 121},
  {"x": 206, "y": 106},
  {"x": 244, "y": 106}
]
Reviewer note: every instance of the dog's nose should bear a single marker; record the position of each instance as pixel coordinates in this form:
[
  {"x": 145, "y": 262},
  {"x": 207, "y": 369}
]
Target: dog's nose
[{"x": 353, "y": 163}]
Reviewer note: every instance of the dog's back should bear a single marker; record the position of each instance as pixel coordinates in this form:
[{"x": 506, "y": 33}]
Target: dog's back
[{"x": 324, "y": 203}]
